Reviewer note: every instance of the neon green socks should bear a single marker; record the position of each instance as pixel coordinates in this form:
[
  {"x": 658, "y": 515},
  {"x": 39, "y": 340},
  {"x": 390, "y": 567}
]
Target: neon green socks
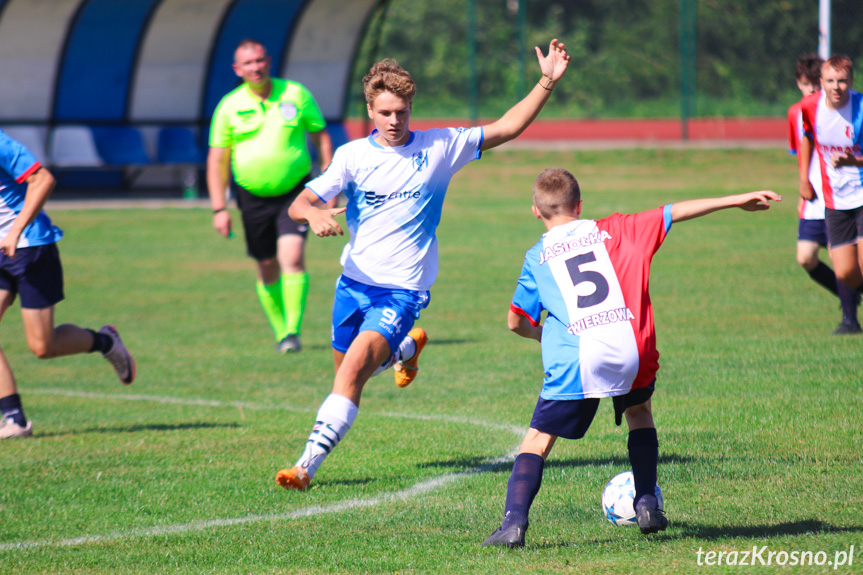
[
  {"x": 274, "y": 308},
  {"x": 295, "y": 288}
]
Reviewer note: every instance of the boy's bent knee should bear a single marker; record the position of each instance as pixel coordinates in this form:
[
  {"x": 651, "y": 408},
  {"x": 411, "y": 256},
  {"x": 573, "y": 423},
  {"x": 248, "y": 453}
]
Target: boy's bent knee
[
  {"x": 537, "y": 442},
  {"x": 42, "y": 350},
  {"x": 639, "y": 416}
]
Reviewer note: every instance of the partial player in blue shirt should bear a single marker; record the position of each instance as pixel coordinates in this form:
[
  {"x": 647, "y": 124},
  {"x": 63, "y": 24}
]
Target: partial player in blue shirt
[
  {"x": 395, "y": 181},
  {"x": 30, "y": 269}
]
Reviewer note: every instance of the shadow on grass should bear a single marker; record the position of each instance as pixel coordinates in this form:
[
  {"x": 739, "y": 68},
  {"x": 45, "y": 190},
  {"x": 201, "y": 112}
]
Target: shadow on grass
[
  {"x": 137, "y": 428},
  {"x": 681, "y": 530},
  {"x": 450, "y": 341},
  {"x": 483, "y": 463},
  {"x": 803, "y": 527}
]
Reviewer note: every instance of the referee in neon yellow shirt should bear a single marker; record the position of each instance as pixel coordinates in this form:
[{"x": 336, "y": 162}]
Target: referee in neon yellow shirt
[{"x": 259, "y": 133}]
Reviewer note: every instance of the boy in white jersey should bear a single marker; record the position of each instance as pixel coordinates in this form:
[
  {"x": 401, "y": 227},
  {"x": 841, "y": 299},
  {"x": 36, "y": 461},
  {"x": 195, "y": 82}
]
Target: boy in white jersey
[
  {"x": 811, "y": 230},
  {"x": 395, "y": 181},
  {"x": 833, "y": 125},
  {"x": 598, "y": 338}
]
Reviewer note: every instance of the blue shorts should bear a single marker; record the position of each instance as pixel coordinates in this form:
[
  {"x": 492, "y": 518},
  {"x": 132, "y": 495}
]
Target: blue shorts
[
  {"x": 35, "y": 274},
  {"x": 812, "y": 231},
  {"x": 360, "y": 307},
  {"x": 571, "y": 418}
]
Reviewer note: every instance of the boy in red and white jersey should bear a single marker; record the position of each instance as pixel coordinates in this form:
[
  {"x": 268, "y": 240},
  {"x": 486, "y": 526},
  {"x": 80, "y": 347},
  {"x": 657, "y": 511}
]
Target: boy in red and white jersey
[
  {"x": 812, "y": 231},
  {"x": 832, "y": 124}
]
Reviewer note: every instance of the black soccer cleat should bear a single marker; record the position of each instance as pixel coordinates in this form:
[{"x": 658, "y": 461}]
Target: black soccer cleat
[
  {"x": 512, "y": 536},
  {"x": 650, "y": 519},
  {"x": 848, "y": 327}
]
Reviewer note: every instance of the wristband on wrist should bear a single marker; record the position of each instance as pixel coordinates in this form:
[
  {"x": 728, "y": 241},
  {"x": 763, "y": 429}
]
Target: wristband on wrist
[
  {"x": 219, "y": 210},
  {"x": 550, "y": 86}
]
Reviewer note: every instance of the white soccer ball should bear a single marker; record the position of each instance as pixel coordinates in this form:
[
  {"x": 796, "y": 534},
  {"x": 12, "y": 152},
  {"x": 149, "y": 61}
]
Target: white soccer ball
[{"x": 617, "y": 499}]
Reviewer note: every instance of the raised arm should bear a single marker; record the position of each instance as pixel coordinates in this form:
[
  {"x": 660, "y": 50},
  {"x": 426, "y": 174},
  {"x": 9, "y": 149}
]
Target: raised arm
[
  {"x": 40, "y": 184},
  {"x": 751, "y": 202},
  {"x": 305, "y": 210},
  {"x": 519, "y": 117}
]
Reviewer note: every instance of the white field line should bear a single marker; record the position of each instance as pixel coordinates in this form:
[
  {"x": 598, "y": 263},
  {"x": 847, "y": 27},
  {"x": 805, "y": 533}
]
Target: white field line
[{"x": 180, "y": 528}]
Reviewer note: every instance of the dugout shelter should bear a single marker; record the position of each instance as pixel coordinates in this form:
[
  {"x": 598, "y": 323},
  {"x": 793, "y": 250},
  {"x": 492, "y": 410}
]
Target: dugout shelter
[{"x": 105, "y": 92}]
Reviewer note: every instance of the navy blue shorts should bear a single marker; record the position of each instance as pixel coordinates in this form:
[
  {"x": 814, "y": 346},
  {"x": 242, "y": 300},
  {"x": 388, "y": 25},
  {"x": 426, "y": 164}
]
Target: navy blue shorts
[
  {"x": 266, "y": 219},
  {"x": 812, "y": 231},
  {"x": 35, "y": 274},
  {"x": 571, "y": 418},
  {"x": 844, "y": 227}
]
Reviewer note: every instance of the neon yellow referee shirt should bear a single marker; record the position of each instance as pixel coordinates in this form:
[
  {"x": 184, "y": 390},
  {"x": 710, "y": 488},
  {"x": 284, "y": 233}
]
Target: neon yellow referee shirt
[{"x": 269, "y": 155}]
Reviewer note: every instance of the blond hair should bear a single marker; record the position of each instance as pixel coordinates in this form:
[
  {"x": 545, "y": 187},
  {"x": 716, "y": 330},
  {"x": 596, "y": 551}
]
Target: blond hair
[
  {"x": 388, "y": 76},
  {"x": 555, "y": 192}
]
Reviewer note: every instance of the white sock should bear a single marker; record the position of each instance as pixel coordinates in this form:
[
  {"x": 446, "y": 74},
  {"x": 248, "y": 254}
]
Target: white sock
[
  {"x": 391, "y": 361},
  {"x": 335, "y": 417},
  {"x": 407, "y": 348}
]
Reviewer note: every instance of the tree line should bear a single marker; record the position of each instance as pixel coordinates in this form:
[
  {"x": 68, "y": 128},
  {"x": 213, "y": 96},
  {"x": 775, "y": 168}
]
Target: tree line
[{"x": 625, "y": 54}]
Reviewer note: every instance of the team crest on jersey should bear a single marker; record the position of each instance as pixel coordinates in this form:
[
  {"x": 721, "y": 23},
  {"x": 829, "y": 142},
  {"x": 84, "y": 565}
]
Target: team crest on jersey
[
  {"x": 849, "y": 132},
  {"x": 288, "y": 109},
  {"x": 421, "y": 160}
]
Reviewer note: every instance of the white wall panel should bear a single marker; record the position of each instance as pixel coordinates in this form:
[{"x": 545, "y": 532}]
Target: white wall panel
[
  {"x": 32, "y": 33},
  {"x": 173, "y": 61},
  {"x": 321, "y": 50}
]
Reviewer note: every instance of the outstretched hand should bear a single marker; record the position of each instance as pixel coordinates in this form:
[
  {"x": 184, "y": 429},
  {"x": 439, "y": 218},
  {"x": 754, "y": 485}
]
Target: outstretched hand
[
  {"x": 554, "y": 64},
  {"x": 757, "y": 201},
  {"x": 322, "y": 221}
]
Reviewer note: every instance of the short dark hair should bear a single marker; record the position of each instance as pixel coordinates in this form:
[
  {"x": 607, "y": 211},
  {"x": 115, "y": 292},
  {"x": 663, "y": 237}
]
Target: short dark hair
[
  {"x": 555, "y": 191},
  {"x": 809, "y": 67}
]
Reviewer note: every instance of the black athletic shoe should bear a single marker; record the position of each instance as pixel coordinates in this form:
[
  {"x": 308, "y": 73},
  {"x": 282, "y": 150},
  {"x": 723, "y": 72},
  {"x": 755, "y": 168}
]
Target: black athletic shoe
[
  {"x": 650, "y": 519},
  {"x": 512, "y": 536},
  {"x": 848, "y": 327}
]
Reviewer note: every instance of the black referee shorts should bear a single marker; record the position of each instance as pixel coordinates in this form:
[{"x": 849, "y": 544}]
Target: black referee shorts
[{"x": 266, "y": 219}]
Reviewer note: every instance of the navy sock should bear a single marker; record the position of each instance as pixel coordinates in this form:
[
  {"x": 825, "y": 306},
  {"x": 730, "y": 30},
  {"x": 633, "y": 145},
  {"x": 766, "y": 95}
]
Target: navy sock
[
  {"x": 644, "y": 458},
  {"x": 824, "y": 276},
  {"x": 102, "y": 342},
  {"x": 523, "y": 485},
  {"x": 850, "y": 300},
  {"x": 10, "y": 408}
]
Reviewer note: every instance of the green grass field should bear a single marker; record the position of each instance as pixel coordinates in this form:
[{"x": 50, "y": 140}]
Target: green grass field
[{"x": 758, "y": 406}]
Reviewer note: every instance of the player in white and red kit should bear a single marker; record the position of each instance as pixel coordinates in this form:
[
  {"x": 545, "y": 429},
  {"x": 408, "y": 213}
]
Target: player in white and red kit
[
  {"x": 832, "y": 123},
  {"x": 598, "y": 339},
  {"x": 812, "y": 231}
]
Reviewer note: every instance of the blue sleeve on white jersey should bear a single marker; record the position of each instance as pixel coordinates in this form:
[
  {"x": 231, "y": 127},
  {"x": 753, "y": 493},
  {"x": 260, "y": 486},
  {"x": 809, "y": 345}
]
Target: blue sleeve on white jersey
[
  {"x": 666, "y": 217},
  {"x": 332, "y": 182},
  {"x": 464, "y": 147}
]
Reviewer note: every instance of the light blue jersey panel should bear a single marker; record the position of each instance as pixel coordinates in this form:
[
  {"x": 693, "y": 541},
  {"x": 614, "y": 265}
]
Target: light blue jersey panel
[
  {"x": 16, "y": 165},
  {"x": 560, "y": 349},
  {"x": 395, "y": 199}
]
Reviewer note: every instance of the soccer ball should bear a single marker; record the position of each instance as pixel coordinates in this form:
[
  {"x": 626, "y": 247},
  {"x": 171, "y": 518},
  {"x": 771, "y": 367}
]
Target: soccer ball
[{"x": 617, "y": 499}]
